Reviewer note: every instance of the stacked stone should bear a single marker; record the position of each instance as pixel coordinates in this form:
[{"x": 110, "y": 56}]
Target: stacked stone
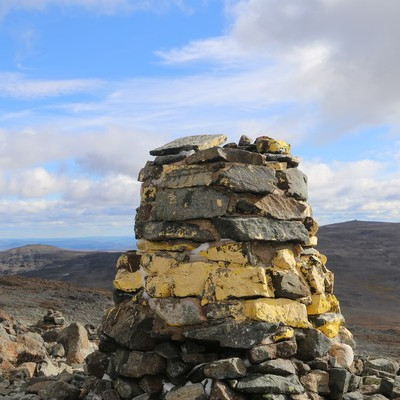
[{"x": 226, "y": 298}]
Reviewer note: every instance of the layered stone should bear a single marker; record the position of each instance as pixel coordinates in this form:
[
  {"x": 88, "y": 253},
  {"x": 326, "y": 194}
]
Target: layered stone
[{"x": 226, "y": 297}]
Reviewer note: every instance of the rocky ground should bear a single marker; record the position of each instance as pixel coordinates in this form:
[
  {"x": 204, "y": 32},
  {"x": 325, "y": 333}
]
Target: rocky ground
[{"x": 53, "y": 359}]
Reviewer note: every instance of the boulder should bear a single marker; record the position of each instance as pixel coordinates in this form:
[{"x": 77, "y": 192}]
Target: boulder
[{"x": 75, "y": 340}]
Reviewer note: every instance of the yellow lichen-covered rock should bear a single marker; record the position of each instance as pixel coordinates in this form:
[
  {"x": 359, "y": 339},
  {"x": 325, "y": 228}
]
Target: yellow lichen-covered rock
[
  {"x": 277, "y": 166},
  {"x": 229, "y": 252},
  {"x": 147, "y": 245},
  {"x": 158, "y": 286},
  {"x": 288, "y": 312},
  {"x": 189, "y": 279},
  {"x": 315, "y": 277},
  {"x": 225, "y": 309},
  {"x": 129, "y": 261},
  {"x": 285, "y": 333},
  {"x": 128, "y": 281},
  {"x": 331, "y": 328},
  {"x": 148, "y": 193},
  {"x": 157, "y": 265},
  {"x": 312, "y": 241},
  {"x": 241, "y": 282},
  {"x": 180, "y": 280},
  {"x": 284, "y": 259},
  {"x": 322, "y": 303},
  {"x": 266, "y": 144},
  {"x": 329, "y": 280}
]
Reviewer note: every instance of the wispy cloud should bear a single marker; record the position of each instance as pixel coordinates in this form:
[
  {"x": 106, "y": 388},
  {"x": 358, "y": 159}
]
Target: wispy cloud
[
  {"x": 20, "y": 86},
  {"x": 107, "y": 7}
]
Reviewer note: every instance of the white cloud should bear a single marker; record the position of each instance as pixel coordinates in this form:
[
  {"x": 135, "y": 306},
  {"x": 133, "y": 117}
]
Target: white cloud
[
  {"x": 364, "y": 189},
  {"x": 19, "y": 86},
  {"x": 339, "y": 57}
]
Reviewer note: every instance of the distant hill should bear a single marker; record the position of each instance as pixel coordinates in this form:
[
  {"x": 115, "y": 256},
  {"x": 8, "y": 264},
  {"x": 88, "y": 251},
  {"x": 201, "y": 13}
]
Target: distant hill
[
  {"x": 87, "y": 243},
  {"x": 84, "y": 268},
  {"x": 365, "y": 257}
]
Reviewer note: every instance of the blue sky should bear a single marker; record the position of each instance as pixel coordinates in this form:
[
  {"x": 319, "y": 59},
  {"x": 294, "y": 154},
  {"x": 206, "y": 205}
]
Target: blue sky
[{"x": 88, "y": 87}]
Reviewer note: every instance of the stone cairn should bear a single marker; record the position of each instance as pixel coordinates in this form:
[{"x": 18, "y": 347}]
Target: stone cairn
[{"x": 226, "y": 297}]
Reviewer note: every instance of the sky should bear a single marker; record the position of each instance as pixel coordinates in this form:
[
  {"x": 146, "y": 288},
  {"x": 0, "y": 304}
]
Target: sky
[{"x": 88, "y": 87}]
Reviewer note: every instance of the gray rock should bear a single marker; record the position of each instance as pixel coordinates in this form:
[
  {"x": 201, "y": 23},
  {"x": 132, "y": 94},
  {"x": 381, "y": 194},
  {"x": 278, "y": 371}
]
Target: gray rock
[
  {"x": 178, "y": 311},
  {"x": 192, "y": 203},
  {"x": 59, "y": 390},
  {"x": 169, "y": 159},
  {"x": 216, "y": 154},
  {"x": 355, "y": 383},
  {"x": 279, "y": 366},
  {"x": 198, "y": 142},
  {"x": 390, "y": 387},
  {"x": 291, "y": 160},
  {"x": 167, "y": 350},
  {"x": 144, "y": 396},
  {"x": 75, "y": 340},
  {"x": 150, "y": 172},
  {"x": 289, "y": 285},
  {"x": 195, "y": 175},
  {"x": 261, "y": 383},
  {"x": 312, "y": 345},
  {"x": 265, "y": 352},
  {"x": 377, "y": 397},
  {"x": 189, "y": 392},
  {"x": 127, "y": 388},
  {"x": 294, "y": 182},
  {"x": 383, "y": 364},
  {"x": 273, "y": 206},
  {"x": 245, "y": 140},
  {"x": 247, "y": 179},
  {"x": 96, "y": 364},
  {"x": 130, "y": 324},
  {"x": 177, "y": 368},
  {"x": 266, "y": 229},
  {"x": 151, "y": 384},
  {"x": 156, "y": 230},
  {"x": 220, "y": 391},
  {"x": 232, "y": 334},
  {"x": 138, "y": 364},
  {"x": 316, "y": 382},
  {"x": 339, "y": 379},
  {"x": 353, "y": 396},
  {"x": 199, "y": 358},
  {"x": 225, "y": 369}
]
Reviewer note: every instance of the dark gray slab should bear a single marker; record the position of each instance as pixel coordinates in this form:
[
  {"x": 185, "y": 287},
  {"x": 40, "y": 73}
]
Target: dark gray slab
[{"x": 249, "y": 228}]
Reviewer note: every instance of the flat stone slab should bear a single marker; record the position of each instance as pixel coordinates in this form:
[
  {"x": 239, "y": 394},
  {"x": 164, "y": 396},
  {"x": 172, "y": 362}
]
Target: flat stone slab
[
  {"x": 189, "y": 392},
  {"x": 228, "y": 368},
  {"x": 193, "y": 203},
  {"x": 198, "y": 142},
  {"x": 178, "y": 312},
  {"x": 274, "y": 206},
  {"x": 248, "y": 179},
  {"x": 244, "y": 229},
  {"x": 158, "y": 230},
  {"x": 230, "y": 155},
  {"x": 232, "y": 334},
  {"x": 267, "y": 383}
]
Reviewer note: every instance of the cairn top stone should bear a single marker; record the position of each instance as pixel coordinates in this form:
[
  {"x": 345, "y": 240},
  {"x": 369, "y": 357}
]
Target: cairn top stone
[{"x": 187, "y": 143}]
